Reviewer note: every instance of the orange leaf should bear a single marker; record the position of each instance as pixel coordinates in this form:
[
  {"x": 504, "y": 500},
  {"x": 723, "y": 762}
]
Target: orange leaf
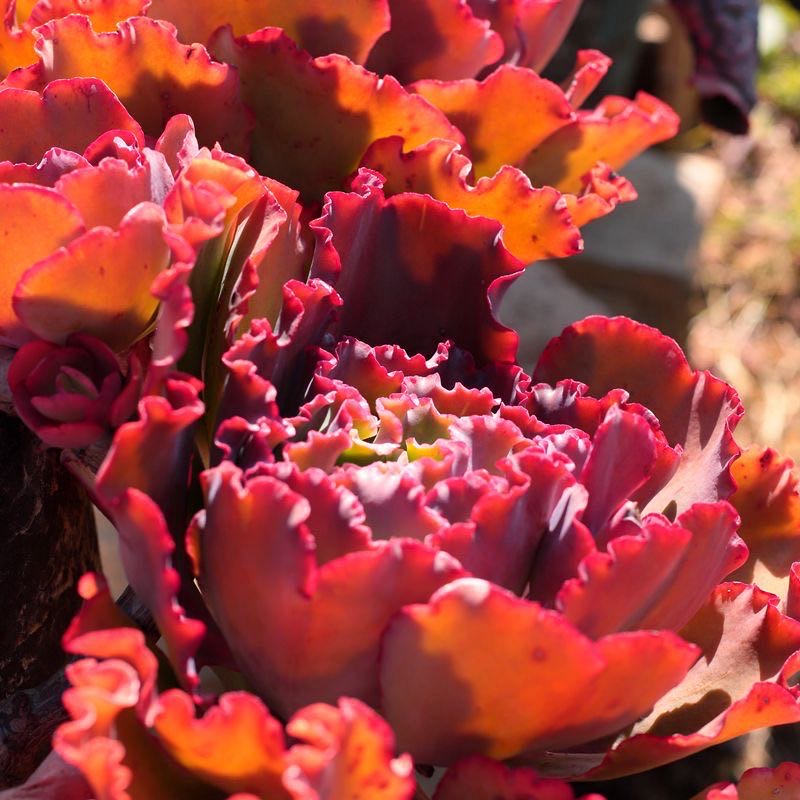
[
  {"x": 299, "y": 101},
  {"x": 503, "y": 117},
  {"x": 106, "y": 193},
  {"x": 237, "y": 744},
  {"x": 532, "y": 30},
  {"x": 99, "y": 283},
  {"x": 104, "y": 14},
  {"x": 437, "y": 39},
  {"x": 614, "y": 133},
  {"x": 739, "y": 684},
  {"x": 345, "y": 753},
  {"x": 34, "y": 221},
  {"x": 768, "y": 500},
  {"x": 600, "y": 194},
  {"x": 277, "y": 608},
  {"x": 348, "y": 27},
  {"x": 69, "y": 114},
  {"x": 761, "y": 783},
  {"x": 536, "y": 222},
  {"x": 501, "y": 676},
  {"x": 16, "y": 45},
  {"x": 152, "y": 74}
]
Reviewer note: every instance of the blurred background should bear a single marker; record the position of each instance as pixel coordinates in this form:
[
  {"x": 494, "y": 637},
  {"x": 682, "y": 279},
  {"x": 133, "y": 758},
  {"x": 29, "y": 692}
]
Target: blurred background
[{"x": 710, "y": 253}]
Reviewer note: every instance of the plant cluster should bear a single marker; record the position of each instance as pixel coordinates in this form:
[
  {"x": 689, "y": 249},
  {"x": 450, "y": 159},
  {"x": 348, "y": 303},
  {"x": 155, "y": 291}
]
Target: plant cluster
[{"x": 253, "y": 255}]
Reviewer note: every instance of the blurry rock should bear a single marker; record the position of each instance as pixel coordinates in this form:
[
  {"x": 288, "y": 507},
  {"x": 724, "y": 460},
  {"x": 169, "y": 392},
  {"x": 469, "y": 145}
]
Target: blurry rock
[
  {"x": 541, "y": 304},
  {"x": 639, "y": 261}
]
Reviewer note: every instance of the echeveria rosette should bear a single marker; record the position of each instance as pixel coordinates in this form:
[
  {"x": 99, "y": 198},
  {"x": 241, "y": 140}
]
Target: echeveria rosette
[
  {"x": 418, "y": 517},
  {"x": 73, "y": 395}
]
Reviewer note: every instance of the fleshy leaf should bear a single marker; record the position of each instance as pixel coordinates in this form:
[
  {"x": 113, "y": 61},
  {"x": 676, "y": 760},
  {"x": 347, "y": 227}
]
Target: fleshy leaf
[
  {"x": 759, "y": 783},
  {"x": 503, "y": 117},
  {"x": 603, "y": 190},
  {"x": 767, "y": 498},
  {"x": 72, "y": 396},
  {"x": 393, "y": 501},
  {"x": 152, "y": 74},
  {"x": 299, "y": 100},
  {"x": 146, "y": 551},
  {"x": 34, "y": 221},
  {"x": 536, "y": 221},
  {"x": 476, "y": 659},
  {"x": 658, "y": 578},
  {"x": 695, "y": 410},
  {"x": 590, "y": 68},
  {"x": 104, "y": 14},
  {"x": 111, "y": 702},
  {"x": 481, "y": 778},
  {"x": 620, "y": 461},
  {"x": 499, "y": 540},
  {"x": 345, "y": 753},
  {"x": 69, "y": 114},
  {"x": 285, "y": 357},
  {"x": 99, "y": 283},
  {"x": 739, "y": 684},
  {"x": 277, "y": 609},
  {"x": 16, "y": 45},
  {"x": 437, "y": 39},
  {"x": 336, "y": 518},
  {"x": 237, "y": 744},
  {"x": 348, "y": 27},
  {"x": 284, "y": 260},
  {"x": 142, "y": 486},
  {"x": 532, "y": 30},
  {"x": 387, "y": 256},
  {"x": 614, "y": 132}
]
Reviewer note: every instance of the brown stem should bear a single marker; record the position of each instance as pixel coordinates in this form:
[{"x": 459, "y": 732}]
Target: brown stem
[{"x": 47, "y": 541}]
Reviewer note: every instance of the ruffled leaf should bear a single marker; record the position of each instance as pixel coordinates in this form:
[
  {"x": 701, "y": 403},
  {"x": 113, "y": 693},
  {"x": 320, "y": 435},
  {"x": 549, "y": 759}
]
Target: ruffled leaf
[
  {"x": 152, "y": 74},
  {"x": 104, "y": 14},
  {"x": 758, "y": 784},
  {"x": 501, "y": 537},
  {"x": 476, "y": 658},
  {"x": 503, "y": 117},
  {"x": 739, "y": 684},
  {"x": 387, "y": 256},
  {"x": 69, "y": 114},
  {"x": 536, "y": 221},
  {"x": 532, "y": 30},
  {"x": 277, "y": 608},
  {"x": 614, "y": 132},
  {"x": 438, "y": 39},
  {"x": 345, "y": 753},
  {"x": 298, "y": 100},
  {"x": 658, "y": 578},
  {"x": 348, "y": 27},
  {"x": 34, "y": 221},
  {"x": 99, "y": 283},
  {"x": 767, "y": 498},
  {"x": 695, "y": 410},
  {"x": 236, "y": 745}
]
